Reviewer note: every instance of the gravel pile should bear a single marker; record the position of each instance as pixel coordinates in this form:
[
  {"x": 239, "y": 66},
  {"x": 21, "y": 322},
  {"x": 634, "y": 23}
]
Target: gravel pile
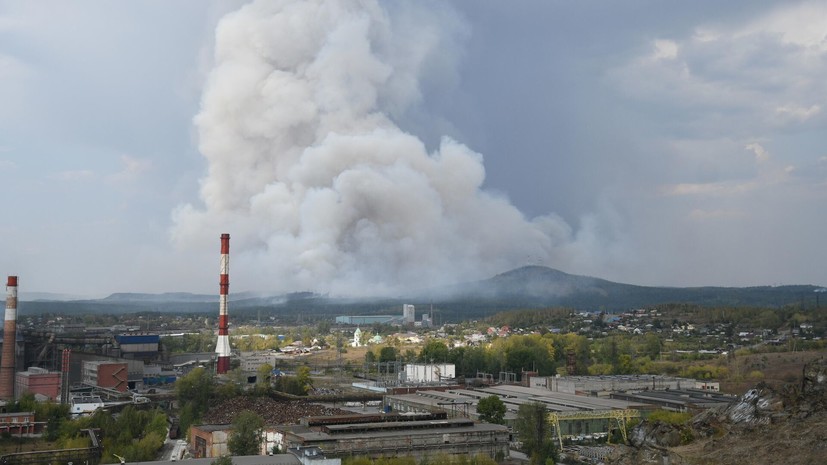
[{"x": 274, "y": 412}]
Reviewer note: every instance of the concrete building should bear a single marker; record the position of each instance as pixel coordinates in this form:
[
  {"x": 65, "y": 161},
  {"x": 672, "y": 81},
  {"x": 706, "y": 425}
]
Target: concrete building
[
  {"x": 571, "y": 415},
  {"x": 408, "y": 314},
  {"x": 251, "y": 361},
  {"x": 679, "y": 400},
  {"x": 368, "y": 320},
  {"x": 429, "y": 372},
  {"x": 209, "y": 440},
  {"x": 139, "y": 346},
  {"x": 44, "y": 384},
  {"x": 604, "y": 385},
  {"x": 330, "y": 438},
  {"x": 276, "y": 459},
  {"x": 109, "y": 375},
  {"x": 18, "y": 423},
  {"x": 408, "y": 438}
]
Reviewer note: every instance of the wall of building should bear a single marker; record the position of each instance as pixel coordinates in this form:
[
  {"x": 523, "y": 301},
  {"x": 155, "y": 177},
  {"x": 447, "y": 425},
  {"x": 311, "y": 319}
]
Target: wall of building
[
  {"x": 106, "y": 375},
  {"x": 38, "y": 381},
  {"x": 429, "y": 372},
  {"x": 209, "y": 442},
  {"x": 481, "y": 440}
]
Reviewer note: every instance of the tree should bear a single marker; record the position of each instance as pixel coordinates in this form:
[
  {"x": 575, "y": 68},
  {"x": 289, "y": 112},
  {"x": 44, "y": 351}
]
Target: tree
[
  {"x": 246, "y": 436},
  {"x": 434, "y": 352},
  {"x": 193, "y": 391},
  {"x": 534, "y": 433},
  {"x": 652, "y": 346},
  {"x": 223, "y": 460},
  {"x": 303, "y": 377},
  {"x": 263, "y": 373},
  {"x": 387, "y": 354},
  {"x": 491, "y": 409}
]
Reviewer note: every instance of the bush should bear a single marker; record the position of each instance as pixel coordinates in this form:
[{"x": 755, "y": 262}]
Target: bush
[{"x": 673, "y": 418}]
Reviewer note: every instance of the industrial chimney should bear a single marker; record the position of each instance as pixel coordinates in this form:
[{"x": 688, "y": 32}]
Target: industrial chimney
[
  {"x": 9, "y": 342},
  {"x": 223, "y": 346}
]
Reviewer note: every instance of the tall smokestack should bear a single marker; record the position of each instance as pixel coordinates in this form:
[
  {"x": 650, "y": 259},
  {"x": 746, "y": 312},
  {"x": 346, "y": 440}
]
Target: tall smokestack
[
  {"x": 9, "y": 341},
  {"x": 223, "y": 346}
]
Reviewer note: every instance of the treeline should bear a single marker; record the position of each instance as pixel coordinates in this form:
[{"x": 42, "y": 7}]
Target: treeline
[
  {"x": 136, "y": 435},
  {"x": 550, "y": 354},
  {"x": 738, "y": 318}
]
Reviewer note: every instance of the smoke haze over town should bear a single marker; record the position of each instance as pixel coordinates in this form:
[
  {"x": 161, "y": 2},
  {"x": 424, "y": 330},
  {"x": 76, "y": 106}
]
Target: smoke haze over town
[{"x": 363, "y": 148}]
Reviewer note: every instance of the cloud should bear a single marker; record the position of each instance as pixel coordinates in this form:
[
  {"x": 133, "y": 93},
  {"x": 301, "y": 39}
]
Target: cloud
[
  {"x": 761, "y": 154},
  {"x": 132, "y": 169},
  {"x": 798, "y": 113},
  {"x": 665, "y": 50},
  {"x": 73, "y": 175},
  {"x": 742, "y": 78},
  {"x": 317, "y": 184}
]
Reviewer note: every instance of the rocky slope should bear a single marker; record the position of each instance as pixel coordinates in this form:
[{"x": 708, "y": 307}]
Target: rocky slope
[{"x": 765, "y": 426}]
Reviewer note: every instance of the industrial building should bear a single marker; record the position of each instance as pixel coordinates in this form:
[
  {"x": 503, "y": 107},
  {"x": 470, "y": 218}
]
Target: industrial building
[
  {"x": 252, "y": 361},
  {"x": 366, "y": 320},
  {"x": 44, "y": 384},
  {"x": 604, "y": 385},
  {"x": 429, "y": 372},
  {"x": 679, "y": 400},
  {"x": 571, "y": 415},
  {"x": 107, "y": 375},
  {"x": 377, "y": 435},
  {"x": 408, "y": 314},
  {"x": 408, "y": 438}
]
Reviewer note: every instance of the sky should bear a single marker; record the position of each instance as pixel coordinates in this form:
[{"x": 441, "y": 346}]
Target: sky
[{"x": 365, "y": 148}]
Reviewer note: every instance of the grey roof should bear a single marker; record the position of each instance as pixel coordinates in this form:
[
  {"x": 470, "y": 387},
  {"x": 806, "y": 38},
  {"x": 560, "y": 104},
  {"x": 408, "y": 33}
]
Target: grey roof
[{"x": 276, "y": 459}]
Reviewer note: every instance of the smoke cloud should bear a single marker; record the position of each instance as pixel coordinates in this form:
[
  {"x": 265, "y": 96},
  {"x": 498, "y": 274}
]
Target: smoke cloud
[{"x": 311, "y": 174}]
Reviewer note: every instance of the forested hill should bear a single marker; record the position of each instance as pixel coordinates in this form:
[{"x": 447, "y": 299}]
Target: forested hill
[
  {"x": 537, "y": 286},
  {"x": 527, "y": 287}
]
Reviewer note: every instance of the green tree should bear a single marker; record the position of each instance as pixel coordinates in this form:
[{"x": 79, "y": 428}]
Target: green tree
[
  {"x": 246, "y": 436},
  {"x": 491, "y": 409},
  {"x": 387, "y": 354},
  {"x": 304, "y": 379},
  {"x": 263, "y": 373},
  {"x": 652, "y": 346},
  {"x": 193, "y": 391},
  {"x": 223, "y": 460},
  {"x": 534, "y": 432},
  {"x": 434, "y": 351}
]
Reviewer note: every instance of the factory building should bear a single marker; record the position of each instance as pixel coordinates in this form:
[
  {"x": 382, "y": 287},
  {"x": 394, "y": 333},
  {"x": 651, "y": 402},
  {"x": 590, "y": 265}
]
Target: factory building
[
  {"x": 139, "y": 346},
  {"x": 367, "y": 320},
  {"x": 604, "y": 385},
  {"x": 252, "y": 361},
  {"x": 107, "y": 375},
  {"x": 429, "y": 372},
  {"x": 19, "y": 424},
  {"x": 408, "y": 438},
  {"x": 408, "y": 314},
  {"x": 44, "y": 384},
  {"x": 376, "y": 435},
  {"x": 571, "y": 415},
  {"x": 678, "y": 400}
]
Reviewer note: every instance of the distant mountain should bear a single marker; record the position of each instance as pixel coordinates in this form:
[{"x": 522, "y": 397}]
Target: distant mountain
[
  {"x": 51, "y": 296},
  {"x": 526, "y": 287},
  {"x": 165, "y": 297},
  {"x": 534, "y": 286}
]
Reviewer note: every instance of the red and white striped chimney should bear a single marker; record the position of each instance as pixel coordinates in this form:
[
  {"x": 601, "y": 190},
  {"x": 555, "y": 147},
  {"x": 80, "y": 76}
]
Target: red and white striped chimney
[
  {"x": 9, "y": 341},
  {"x": 223, "y": 346}
]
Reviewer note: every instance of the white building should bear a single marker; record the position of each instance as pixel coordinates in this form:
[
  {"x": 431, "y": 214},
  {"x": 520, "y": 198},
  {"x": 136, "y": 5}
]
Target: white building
[
  {"x": 408, "y": 314},
  {"x": 429, "y": 372}
]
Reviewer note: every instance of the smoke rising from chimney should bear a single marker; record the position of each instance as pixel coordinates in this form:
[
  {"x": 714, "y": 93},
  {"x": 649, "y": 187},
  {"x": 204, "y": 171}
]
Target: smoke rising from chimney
[{"x": 322, "y": 189}]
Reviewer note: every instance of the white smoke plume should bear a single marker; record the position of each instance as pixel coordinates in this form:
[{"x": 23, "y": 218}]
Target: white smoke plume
[{"x": 318, "y": 186}]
